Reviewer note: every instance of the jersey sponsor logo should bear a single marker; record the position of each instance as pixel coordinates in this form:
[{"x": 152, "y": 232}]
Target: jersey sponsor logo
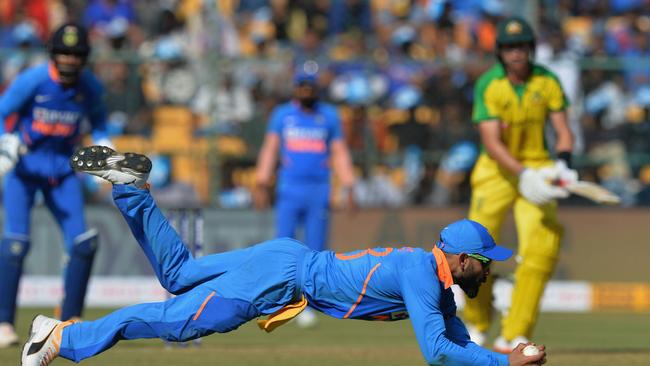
[
  {"x": 391, "y": 317},
  {"x": 47, "y": 115},
  {"x": 303, "y": 145},
  {"x": 51, "y": 122},
  {"x": 302, "y": 139},
  {"x": 53, "y": 129},
  {"x": 399, "y": 315}
]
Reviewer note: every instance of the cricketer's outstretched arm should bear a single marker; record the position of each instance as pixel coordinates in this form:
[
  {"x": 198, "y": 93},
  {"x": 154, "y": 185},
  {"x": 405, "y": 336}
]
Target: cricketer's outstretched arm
[{"x": 422, "y": 294}]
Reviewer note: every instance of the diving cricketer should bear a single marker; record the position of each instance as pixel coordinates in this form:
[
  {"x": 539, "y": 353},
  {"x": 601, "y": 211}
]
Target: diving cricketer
[{"x": 278, "y": 279}]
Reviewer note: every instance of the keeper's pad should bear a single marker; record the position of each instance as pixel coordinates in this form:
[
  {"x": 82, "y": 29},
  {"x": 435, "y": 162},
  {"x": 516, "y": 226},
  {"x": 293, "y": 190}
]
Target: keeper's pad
[
  {"x": 77, "y": 273},
  {"x": 13, "y": 250}
]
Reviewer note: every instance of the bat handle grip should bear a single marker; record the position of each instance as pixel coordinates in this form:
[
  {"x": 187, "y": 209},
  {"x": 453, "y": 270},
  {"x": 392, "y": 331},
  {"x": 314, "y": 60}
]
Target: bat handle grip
[{"x": 560, "y": 183}]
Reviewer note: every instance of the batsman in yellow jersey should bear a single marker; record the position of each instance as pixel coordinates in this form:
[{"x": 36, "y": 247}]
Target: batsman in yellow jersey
[{"x": 512, "y": 102}]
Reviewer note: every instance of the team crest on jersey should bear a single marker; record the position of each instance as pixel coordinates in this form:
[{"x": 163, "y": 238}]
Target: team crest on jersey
[
  {"x": 290, "y": 120},
  {"x": 319, "y": 119},
  {"x": 536, "y": 97},
  {"x": 79, "y": 98},
  {"x": 70, "y": 36}
]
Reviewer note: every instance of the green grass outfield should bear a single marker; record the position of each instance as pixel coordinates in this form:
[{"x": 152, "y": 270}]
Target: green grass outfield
[{"x": 597, "y": 339}]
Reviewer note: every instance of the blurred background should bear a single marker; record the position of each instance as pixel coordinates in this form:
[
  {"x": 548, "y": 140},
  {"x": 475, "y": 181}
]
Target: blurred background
[{"x": 191, "y": 83}]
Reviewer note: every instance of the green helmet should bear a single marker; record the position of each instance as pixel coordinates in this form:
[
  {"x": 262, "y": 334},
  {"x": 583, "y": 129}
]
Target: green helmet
[{"x": 514, "y": 30}]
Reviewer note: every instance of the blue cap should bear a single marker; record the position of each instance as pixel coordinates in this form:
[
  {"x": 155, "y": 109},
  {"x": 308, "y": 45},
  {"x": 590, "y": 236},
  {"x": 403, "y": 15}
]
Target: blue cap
[
  {"x": 467, "y": 236},
  {"x": 301, "y": 77}
]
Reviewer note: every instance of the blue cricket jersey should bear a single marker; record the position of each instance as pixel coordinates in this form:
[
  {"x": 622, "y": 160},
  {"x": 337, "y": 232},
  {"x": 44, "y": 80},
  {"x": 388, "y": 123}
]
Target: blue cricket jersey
[
  {"x": 49, "y": 117},
  {"x": 305, "y": 139},
  {"x": 394, "y": 284}
]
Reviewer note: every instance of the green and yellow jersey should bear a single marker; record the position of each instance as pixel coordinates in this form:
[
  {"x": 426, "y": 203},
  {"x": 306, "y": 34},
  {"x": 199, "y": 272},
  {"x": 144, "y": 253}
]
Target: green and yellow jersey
[{"x": 521, "y": 109}]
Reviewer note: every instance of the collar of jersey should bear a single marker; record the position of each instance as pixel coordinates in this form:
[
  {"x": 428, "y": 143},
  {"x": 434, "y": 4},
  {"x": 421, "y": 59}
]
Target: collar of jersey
[
  {"x": 443, "y": 271},
  {"x": 53, "y": 72},
  {"x": 501, "y": 70}
]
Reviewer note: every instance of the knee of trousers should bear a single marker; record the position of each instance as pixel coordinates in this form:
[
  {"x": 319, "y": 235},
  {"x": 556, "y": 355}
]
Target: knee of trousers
[
  {"x": 14, "y": 248},
  {"x": 543, "y": 250},
  {"x": 85, "y": 245}
]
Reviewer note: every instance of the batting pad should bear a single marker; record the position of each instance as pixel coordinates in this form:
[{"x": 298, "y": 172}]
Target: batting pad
[
  {"x": 537, "y": 263},
  {"x": 478, "y": 311}
]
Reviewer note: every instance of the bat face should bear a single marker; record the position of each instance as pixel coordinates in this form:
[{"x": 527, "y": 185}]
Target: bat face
[{"x": 594, "y": 192}]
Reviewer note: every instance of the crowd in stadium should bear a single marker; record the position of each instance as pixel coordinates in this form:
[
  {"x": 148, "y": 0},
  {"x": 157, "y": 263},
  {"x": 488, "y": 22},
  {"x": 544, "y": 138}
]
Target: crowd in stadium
[{"x": 400, "y": 71}]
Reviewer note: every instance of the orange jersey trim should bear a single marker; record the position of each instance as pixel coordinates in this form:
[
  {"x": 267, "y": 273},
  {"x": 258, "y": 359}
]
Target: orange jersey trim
[
  {"x": 374, "y": 253},
  {"x": 444, "y": 273},
  {"x": 53, "y": 72},
  {"x": 203, "y": 305},
  {"x": 363, "y": 290}
]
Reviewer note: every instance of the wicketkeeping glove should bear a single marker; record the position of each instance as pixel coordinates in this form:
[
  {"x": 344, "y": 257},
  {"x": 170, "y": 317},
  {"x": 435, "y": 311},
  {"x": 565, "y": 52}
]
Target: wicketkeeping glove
[
  {"x": 536, "y": 186},
  {"x": 10, "y": 147}
]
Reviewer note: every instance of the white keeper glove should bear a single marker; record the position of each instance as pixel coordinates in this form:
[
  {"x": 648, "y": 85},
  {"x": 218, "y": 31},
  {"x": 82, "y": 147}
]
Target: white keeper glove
[
  {"x": 564, "y": 175},
  {"x": 10, "y": 149},
  {"x": 536, "y": 186}
]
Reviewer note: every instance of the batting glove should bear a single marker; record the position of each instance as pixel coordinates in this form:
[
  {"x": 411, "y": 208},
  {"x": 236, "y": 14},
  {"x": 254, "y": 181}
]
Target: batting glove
[
  {"x": 564, "y": 175},
  {"x": 536, "y": 187},
  {"x": 10, "y": 148}
]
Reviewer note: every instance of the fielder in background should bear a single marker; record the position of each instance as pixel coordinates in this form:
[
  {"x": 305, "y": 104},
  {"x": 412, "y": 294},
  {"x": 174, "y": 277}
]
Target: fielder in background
[
  {"x": 50, "y": 102},
  {"x": 512, "y": 102},
  {"x": 306, "y": 133},
  {"x": 278, "y": 278}
]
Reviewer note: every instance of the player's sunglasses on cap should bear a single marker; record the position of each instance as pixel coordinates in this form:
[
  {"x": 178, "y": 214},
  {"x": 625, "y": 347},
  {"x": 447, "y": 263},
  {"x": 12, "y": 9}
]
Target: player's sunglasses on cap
[{"x": 467, "y": 236}]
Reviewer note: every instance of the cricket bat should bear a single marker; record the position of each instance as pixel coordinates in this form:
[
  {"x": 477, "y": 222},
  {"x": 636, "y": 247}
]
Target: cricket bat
[{"x": 594, "y": 192}]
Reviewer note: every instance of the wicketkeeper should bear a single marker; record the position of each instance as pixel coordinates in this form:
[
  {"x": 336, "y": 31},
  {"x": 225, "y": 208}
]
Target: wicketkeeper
[{"x": 50, "y": 102}]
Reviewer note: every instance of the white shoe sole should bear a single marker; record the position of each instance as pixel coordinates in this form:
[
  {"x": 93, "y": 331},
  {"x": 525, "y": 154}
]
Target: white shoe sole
[{"x": 94, "y": 159}]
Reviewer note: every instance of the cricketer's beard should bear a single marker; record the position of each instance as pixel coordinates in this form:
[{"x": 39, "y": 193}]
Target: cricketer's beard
[
  {"x": 68, "y": 74},
  {"x": 308, "y": 102},
  {"x": 469, "y": 285}
]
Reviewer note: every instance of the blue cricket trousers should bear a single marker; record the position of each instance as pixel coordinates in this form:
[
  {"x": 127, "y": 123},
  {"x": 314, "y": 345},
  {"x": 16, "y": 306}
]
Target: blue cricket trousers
[
  {"x": 216, "y": 293},
  {"x": 305, "y": 204},
  {"x": 63, "y": 197}
]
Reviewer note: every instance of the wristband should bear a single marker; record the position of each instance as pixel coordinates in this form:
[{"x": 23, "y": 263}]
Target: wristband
[{"x": 566, "y": 157}]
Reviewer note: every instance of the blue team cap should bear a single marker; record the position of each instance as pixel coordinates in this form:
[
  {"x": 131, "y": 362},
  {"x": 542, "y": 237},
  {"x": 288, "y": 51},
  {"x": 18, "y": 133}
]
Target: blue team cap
[
  {"x": 302, "y": 77},
  {"x": 467, "y": 236},
  {"x": 307, "y": 72}
]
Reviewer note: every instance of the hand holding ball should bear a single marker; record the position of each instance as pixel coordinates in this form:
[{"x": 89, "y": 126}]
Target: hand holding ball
[{"x": 530, "y": 350}]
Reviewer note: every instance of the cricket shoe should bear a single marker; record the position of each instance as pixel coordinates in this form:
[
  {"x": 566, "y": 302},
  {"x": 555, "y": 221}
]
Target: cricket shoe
[
  {"x": 44, "y": 341},
  {"x": 504, "y": 346},
  {"x": 8, "y": 336},
  {"x": 104, "y": 162}
]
